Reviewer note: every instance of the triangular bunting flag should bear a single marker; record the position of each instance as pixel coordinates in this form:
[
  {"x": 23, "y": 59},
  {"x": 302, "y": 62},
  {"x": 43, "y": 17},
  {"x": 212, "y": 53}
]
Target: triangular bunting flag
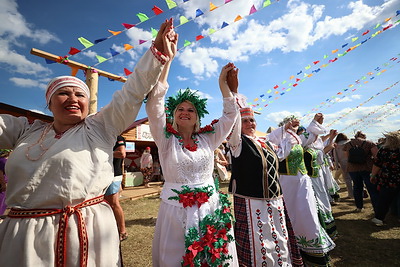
[
  {"x": 74, "y": 71},
  {"x": 127, "y": 47},
  {"x": 227, "y": 1},
  {"x": 128, "y": 26},
  {"x": 127, "y": 72},
  {"x": 199, "y": 13},
  {"x": 199, "y": 37},
  {"x": 113, "y": 52},
  {"x": 100, "y": 58},
  {"x": 142, "y": 41},
  {"x": 154, "y": 32},
  {"x": 183, "y": 20},
  {"x": 224, "y": 24},
  {"x": 142, "y": 17},
  {"x": 114, "y": 33},
  {"x": 85, "y": 42},
  {"x": 211, "y": 31},
  {"x": 334, "y": 51},
  {"x": 99, "y": 40},
  {"x": 157, "y": 10},
  {"x": 212, "y": 6},
  {"x": 354, "y": 39},
  {"x": 73, "y": 51},
  {"x": 186, "y": 43},
  {"x": 238, "y": 18},
  {"x": 49, "y": 61},
  {"x": 252, "y": 10},
  {"x": 171, "y": 4},
  {"x": 267, "y": 3}
]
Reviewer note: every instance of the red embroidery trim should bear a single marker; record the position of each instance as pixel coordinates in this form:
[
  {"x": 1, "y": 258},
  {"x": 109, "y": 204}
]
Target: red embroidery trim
[{"x": 61, "y": 249}]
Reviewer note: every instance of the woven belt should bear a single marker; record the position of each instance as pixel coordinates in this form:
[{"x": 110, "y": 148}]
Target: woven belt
[{"x": 61, "y": 251}]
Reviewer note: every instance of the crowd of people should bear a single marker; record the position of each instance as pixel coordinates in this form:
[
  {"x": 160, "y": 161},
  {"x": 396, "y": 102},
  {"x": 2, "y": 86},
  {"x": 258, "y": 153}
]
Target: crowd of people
[{"x": 63, "y": 178}]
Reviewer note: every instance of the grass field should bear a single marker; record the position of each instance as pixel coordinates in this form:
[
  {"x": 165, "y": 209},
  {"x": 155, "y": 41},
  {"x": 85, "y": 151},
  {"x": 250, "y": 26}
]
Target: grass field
[{"x": 360, "y": 243}]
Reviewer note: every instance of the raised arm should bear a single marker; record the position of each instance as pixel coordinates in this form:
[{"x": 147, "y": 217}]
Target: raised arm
[{"x": 156, "y": 99}]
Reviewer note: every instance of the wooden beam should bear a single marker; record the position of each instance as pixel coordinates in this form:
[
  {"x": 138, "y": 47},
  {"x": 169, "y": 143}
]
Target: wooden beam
[{"x": 75, "y": 64}]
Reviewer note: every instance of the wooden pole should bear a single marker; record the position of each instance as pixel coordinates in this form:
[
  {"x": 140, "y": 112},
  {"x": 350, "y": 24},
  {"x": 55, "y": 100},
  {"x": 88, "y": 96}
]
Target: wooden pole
[
  {"x": 92, "y": 81},
  {"x": 74, "y": 64}
]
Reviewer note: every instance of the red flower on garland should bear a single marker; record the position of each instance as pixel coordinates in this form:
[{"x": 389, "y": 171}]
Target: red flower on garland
[
  {"x": 222, "y": 234},
  {"x": 208, "y": 128},
  {"x": 191, "y": 148},
  {"x": 201, "y": 197},
  {"x": 226, "y": 210},
  {"x": 215, "y": 253},
  {"x": 188, "y": 260},
  {"x": 196, "y": 247},
  {"x": 187, "y": 199}
]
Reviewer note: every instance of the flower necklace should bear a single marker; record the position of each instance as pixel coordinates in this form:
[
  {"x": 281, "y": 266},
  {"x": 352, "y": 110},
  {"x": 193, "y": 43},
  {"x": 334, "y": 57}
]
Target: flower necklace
[
  {"x": 39, "y": 142},
  {"x": 207, "y": 129}
]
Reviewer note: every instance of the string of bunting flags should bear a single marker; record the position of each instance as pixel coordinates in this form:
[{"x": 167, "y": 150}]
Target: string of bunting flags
[
  {"x": 358, "y": 83},
  {"x": 143, "y": 18},
  {"x": 360, "y": 105},
  {"x": 384, "y": 113},
  {"x": 273, "y": 94}
]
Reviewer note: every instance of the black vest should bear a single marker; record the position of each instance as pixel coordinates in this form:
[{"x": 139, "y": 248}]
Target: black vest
[{"x": 247, "y": 172}]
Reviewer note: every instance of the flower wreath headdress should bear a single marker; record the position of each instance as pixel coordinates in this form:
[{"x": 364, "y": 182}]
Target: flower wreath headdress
[{"x": 186, "y": 95}]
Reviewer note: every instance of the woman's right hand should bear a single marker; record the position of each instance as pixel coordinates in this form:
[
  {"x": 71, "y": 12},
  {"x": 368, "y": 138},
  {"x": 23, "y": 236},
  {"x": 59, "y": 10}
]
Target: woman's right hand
[{"x": 167, "y": 40}]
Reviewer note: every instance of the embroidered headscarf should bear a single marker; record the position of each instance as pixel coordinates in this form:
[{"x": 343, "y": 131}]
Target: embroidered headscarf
[{"x": 63, "y": 81}]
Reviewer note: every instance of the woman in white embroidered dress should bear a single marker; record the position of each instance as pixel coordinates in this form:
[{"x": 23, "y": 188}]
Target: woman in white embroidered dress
[
  {"x": 299, "y": 195},
  {"x": 59, "y": 172},
  {"x": 194, "y": 220}
]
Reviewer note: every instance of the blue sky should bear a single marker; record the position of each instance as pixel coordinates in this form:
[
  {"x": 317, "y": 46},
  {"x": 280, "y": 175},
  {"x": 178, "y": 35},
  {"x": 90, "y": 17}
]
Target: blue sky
[{"x": 272, "y": 47}]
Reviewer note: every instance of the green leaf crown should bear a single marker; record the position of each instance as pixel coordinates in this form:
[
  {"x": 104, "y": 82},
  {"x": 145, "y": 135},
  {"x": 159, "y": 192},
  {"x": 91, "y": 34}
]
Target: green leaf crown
[{"x": 186, "y": 95}]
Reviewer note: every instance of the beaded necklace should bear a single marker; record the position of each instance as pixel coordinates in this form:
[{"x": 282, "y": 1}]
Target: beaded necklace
[{"x": 39, "y": 142}]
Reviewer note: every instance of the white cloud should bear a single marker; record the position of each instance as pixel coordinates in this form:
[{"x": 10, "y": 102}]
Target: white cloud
[
  {"x": 13, "y": 26},
  {"x": 371, "y": 120},
  {"x": 180, "y": 78},
  {"x": 18, "y": 63},
  {"x": 136, "y": 34},
  {"x": 277, "y": 117},
  {"x": 296, "y": 30},
  {"x": 348, "y": 98},
  {"x": 199, "y": 61},
  {"x": 23, "y": 82}
]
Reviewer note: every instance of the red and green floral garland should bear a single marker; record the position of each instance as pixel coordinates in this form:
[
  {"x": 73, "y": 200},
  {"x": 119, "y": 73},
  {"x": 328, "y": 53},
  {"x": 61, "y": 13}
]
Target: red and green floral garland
[
  {"x": 209, "y": 247},
  {"x": 190, "y": 197},
  {"x": 169, "y": 130}
]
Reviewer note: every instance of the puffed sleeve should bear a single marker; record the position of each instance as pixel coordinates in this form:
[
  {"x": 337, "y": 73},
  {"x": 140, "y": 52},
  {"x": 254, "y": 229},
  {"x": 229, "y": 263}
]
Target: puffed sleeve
[{"x": 225, "y": 123}]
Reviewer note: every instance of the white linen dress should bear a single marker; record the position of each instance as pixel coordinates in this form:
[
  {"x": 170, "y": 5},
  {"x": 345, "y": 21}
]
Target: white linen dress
[
  {"x": 300, "y": 198},
  {"x": 75, "y": 168},
  {"x": 183, "y": 167}
]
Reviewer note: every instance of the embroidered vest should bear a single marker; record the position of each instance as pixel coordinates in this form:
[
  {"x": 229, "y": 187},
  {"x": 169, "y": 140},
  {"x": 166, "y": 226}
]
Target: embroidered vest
[
  {"x": 294, "y": 163},
  {"x": 310, "y": 160},
  {"x": 255, "y": 175}
]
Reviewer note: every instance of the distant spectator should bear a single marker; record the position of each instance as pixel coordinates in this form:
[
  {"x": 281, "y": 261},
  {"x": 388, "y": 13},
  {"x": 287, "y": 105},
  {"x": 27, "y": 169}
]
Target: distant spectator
[
  {"x": 360, "y": 172},
  {"x": 146, "y": 166},
  {"x": 341, "y": 162},
  {"x": 386, "y": 173},
  {"x": 112, "y": 194}
]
